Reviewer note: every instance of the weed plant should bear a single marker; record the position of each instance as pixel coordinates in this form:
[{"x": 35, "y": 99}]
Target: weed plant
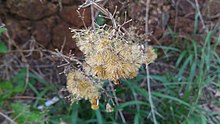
[{"x": 187, "y": 94}]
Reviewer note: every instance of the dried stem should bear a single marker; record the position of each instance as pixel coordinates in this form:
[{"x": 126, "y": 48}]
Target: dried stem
[
  {"x": 146, "y": 67},
  {"x": 60, "y": 5},
  {"x": 8, "y": 118},
  {"x": 94, "y": 4},
  {"x": 147, "y": 16},
  {"x": 82, "y": 17},
  {"x": 150, "y": 96},
  {"x": 200, "y": 16},
  {"x": 116, "y": 102},
  {"x": 92, "y": 14},
  {"x": 27, "y": 97}
]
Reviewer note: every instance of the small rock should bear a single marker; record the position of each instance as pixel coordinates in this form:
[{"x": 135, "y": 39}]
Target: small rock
[
  {"x": 66, "y": 2},
  {"x": 3, "y": 11},
  {"x": 42, "y": 34},
  {"x": 31, "y": 9},
  {"x": 70, "y": 15},
  {"x": 212, "y": 9},
  {"x": 61, "y": 33},
  {"x": 184, "y": 8},
  {"x": 183, "y": 25},
  {"x": 18, "y": 30},
  {"x": 43, "y": 30}
]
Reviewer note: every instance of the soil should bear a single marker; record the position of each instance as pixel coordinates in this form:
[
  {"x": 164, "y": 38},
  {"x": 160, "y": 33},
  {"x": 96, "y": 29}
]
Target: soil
[{"x": 47, "y": 21}]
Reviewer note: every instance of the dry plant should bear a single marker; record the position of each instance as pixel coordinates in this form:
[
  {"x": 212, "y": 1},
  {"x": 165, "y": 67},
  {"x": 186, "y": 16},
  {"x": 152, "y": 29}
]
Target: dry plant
[
  {"x": 110, "y": 53},
  {"x": 25, "y": 55}
]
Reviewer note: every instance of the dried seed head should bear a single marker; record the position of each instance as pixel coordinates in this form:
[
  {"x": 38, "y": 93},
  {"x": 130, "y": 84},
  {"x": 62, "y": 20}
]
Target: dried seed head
[
  {"x": 109, "y": 108},
  {"x": 80, "y": 86},
  {"x": 109, "y": 66},
  {"x": 94, "y": 103},
  {"x": 150, "y": 55},
  {"x": 109, "y": 55}
]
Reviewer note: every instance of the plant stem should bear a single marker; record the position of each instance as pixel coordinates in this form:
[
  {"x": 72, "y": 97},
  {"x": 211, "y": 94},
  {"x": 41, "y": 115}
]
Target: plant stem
[
  {"x": 8, "y": 118},
  {"x": 150, "y": 96},
  {"x": 92, "y": 15},
  {"x": 116, "y": 101}
]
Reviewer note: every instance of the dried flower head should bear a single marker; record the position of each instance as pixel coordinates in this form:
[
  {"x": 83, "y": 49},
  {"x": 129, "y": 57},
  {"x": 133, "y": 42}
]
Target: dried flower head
[
  {"x": 94, "y": 103},
  {"x": 81, "y": 87},
  {"x": 108, "y": 108},
  {"x": 110, "y": 55},
  {"x": 150, "y": 55}
]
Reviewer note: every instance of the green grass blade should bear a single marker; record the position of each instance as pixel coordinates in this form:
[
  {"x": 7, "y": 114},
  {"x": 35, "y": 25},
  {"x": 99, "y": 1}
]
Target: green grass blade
[
  {"x": 171, "y": 98},
  {"x": 99, "y": 116},
  {"x": 184, "y": 66},
  {"x": 136, "y": 118},
  {"x": 74, "y": 116},
  {"x": 123, "y": 105}
]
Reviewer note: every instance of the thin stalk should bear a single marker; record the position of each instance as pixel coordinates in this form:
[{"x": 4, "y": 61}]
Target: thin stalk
[
  {"x": 147, "y": 16},
  {"x": 146, "y": 66},
  {"x": 8, "y": 118},
  {"x": 200, "y": 16},
  {"x": 116, "y": 102},
  {"x": 150, "y": 96},
  {"x": 92, "y": 15}
]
